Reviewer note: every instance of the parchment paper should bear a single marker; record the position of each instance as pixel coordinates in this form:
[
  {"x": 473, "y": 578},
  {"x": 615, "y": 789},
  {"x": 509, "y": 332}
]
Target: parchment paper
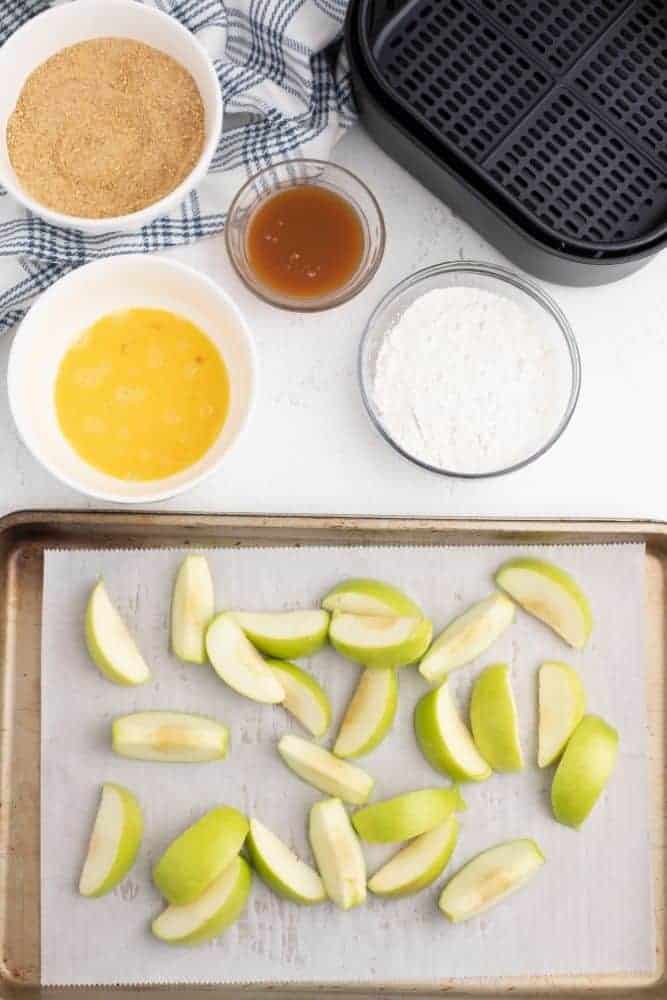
[{"x": 590, "y": 908}]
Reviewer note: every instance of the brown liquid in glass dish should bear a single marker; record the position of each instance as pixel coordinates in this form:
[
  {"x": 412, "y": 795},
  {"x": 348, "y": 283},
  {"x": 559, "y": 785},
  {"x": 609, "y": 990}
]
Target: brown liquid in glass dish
[{"x": 305, "y": 241}]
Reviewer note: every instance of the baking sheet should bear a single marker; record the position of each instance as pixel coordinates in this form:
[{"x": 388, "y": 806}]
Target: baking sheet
[{"x": 589, "y": 910}]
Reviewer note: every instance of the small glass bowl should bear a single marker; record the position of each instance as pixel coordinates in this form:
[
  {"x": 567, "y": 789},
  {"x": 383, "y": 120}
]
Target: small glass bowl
[
  {"x": 286, "y": 174},
  {"x": 551, "y": 322}
]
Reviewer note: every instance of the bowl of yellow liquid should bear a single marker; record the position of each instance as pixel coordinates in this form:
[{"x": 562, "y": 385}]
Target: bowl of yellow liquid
[{"x": 131, "y": 378}]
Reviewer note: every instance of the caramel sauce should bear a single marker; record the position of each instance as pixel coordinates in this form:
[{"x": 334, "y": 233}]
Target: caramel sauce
[{"x": 305, "y": 241}]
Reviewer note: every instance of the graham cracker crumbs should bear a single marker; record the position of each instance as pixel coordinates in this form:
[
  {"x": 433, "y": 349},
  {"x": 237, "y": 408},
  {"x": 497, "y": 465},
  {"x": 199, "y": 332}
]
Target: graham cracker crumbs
[{"x": 105, "y": 128}]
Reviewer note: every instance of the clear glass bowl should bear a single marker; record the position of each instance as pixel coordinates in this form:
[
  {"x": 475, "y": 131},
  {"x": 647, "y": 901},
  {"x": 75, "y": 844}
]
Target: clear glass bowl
[
  {"x": 286, "y": 174},
  {"x": 544, "y": 312}
]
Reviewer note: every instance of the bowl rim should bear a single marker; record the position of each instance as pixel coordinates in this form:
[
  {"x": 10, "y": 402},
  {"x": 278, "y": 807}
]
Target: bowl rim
[
  {"x": 154, "y": 495},
  {"x": 302, "y": 305},
  {"x": 504, "y": 275},
  {"x": 142, "y": 216}
]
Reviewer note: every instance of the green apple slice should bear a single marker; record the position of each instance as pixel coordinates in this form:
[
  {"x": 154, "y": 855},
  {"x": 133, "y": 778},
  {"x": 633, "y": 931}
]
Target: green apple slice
[
  {"x": 237, "y": 662},
  {"x": 338, "y": 853},
  {"x": 468, "y": 636},
  {"x": 285, "y": 634},
  {"x": 370, "y": 713},
  {"x": 562, "y": 703},
  {"x": 444, "y": 738},
  {"x": 380, "y": 640},
  {"x": 114, "y": 841},
  {"x": 406, "y": 816},
  {"x": 494, "y": 721},
  {"x": 304, "y": 698},
  {"x": 550, "y": 594},
  {"x": 218, "y": 907},
  {"x": 370, "y": 597},
  {"x": 419, "y": 863},
  {"x": 169, "y": 736},
  {"x": 192, "y": 608},
  {"x": 321, "y": 769},
  {"x": 110, "y": 645},
  {"x": 489, "y": 878},
  {"x": 280, "y": 868},
  {"x": 584, "y": 770},
  {"x": 200, "y": 854}
]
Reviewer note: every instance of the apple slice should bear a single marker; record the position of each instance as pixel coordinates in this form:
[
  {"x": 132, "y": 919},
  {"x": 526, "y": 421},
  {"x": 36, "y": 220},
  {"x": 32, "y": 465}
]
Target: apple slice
[
  {"x": 468, "y": 636},
  {"x": 169, "y": 736},
  {"x": 370, "y": 597},
  {"x": 380, "y": 640},
  {"x": 304, "y": 698},
  {"x": 200, "y": 854},
  {"x": 285, "y": 634},
  {"x": 444, "y": 739},
  {"x": 338, "y": 853},
  {"x": 419, "y": 863},
  {"x": 562, "y": 703},
  {"x": 584, "y": 770},
  {"x": 324, "y": 771},
  {"x": 192, "y": 608},
  {"x": 489, "y": 878},
  {"x": 494, "y": 721},
  {"x": 280, "y": 868},
  {"x": 237, "y": 662},
  {"x": 216, "y": 909},
  {"x": 406, "y": 816},
  {"x": 110, "y": 645},
  {"x": 370, "y": 713},
  {"x": 114, "y": 841},
  {"x": 550, "y": 594}
]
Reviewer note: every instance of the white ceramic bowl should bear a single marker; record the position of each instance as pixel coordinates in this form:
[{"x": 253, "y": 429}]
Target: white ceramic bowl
[
  {"x": 77, "y": 21},
  {"x": 75, "y": 302}
]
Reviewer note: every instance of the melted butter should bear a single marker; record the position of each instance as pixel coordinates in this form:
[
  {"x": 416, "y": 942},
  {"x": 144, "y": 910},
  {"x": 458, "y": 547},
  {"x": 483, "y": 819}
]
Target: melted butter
[{"x": 142, "y": 394}]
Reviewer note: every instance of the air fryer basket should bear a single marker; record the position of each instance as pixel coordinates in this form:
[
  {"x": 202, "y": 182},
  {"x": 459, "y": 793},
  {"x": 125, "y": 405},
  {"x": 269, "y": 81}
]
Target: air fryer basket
[{"x": 553, "y": 111}]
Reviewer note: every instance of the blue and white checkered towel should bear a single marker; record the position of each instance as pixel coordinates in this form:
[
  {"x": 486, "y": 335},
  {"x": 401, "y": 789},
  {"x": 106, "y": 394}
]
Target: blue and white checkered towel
[{"x": 273, "y": 60}]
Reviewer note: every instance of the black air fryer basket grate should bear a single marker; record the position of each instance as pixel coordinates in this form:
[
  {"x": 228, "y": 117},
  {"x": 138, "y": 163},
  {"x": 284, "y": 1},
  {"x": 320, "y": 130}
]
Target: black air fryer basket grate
[{"x": 555, "y": 108}]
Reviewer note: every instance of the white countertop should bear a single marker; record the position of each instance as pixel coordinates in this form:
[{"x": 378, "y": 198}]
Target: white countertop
[{"x": 310, "y": 447}]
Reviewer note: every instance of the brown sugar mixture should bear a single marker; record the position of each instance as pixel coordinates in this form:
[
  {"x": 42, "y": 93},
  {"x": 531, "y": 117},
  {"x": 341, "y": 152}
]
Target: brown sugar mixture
[
  {"x": 105, "y": 127},
  {"x": 305, "y": 241}
]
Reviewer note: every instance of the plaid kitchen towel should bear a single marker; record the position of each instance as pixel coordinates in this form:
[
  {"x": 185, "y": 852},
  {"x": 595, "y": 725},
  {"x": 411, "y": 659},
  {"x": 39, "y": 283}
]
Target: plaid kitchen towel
[{"x": 274, "y": 62}]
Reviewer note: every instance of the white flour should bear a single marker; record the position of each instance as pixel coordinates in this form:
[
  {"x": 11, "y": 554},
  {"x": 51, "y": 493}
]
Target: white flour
[{"x": 467, "y": 382}]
